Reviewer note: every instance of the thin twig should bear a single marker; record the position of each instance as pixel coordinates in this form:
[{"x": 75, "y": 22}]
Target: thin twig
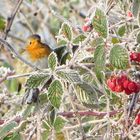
[
  {"x": 77, "y": 116},
  {"x": 132, "y": 104},
  {"x": 80, "y": 48},
  {"x": 38, "y": 122},
  {"x": 65, "y": 20},
  {"x": 89, "y": 113},
  {"x": 85, "y": 124},
  {"x": 11, "y": 19},
  {"x": 27, "y": 22},
  {"x": 16, "y": 38},
  {"x": 5, "y": 77},
  {"x": 112, "y": 4},
  {"x": 32, "y": 133},
  {"x": 18, "y": 76},
  {"x": 8, "y": 27}
]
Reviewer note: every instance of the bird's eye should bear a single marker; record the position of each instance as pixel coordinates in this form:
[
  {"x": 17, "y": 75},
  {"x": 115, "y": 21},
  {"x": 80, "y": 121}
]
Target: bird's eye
[{"x": 30, "y": 43}]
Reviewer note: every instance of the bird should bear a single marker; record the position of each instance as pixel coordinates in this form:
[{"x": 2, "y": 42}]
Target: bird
[{"x": 36, "y": 52}]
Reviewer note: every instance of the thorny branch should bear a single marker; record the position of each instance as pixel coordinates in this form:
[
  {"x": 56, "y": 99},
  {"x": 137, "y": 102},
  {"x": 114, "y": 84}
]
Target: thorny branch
[{"x": 70, "y": 115}]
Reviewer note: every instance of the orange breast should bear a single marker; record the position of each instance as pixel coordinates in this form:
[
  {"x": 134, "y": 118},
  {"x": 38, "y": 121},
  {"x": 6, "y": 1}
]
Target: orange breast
[{"x": 37, "y": 50}]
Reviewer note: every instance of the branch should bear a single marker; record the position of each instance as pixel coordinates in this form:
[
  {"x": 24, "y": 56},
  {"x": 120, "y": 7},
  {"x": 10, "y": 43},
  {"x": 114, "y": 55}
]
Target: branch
[
  {"x": 7, "y": 75},
  {"x": 7, "y": 28},
  {"x": 89, "y": 113},
  {"x": 132, "y": 104},
  {"x": 86, "y": 124},
  {"x": 38, "y": 122},
  {"x": 11, "y": 19}
]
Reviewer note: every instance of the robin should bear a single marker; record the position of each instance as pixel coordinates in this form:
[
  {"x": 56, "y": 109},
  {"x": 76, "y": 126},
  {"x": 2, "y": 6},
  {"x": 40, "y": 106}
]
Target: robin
[{"x": 36, "y": 52}]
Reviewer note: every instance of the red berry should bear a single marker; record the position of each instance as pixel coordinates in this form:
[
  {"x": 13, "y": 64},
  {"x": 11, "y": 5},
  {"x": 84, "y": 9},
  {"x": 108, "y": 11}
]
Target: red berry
[
  {"x": 137, "y": 120},
  {"x": 125, "y": 83},
  {"x": 129, "y": 14},
  {"x": 127, "y": 91},
  {"x": 134, "y": 56},
  {"x": 114, "y": 79},
  {"x": 118, "y": 88},
  {"x": 119, "y": 81},
  {"x": 124, "y": 77},
  {"x": 138, "y": 87},
  {"x": 112, "y": 86},
  {"x": 86, "y": 28},
  {"x": 138, "y": 58},
  {"x": 132, "y": 86}
]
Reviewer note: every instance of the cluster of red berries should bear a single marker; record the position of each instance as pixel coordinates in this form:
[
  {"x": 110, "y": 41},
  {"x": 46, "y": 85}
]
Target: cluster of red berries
[
  {"x": 123, "y": 84},
  {"x": 137, "y": 120},
  {"x": 87, "y": 27},
  {"x": 135, "y": 56}
]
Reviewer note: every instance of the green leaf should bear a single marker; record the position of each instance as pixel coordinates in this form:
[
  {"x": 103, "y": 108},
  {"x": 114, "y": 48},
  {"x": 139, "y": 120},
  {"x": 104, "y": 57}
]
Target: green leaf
[
  {"x": 37, "y": 79},
  {"x": 115, "y": 40},
  {"x": 59, "y": 124},
  {"x": 96, "y": 42},
  {"x": 99, "y": 58},
  {"x": 60, "y": 51},
  {"x": 65, "y": 12},
  {"x": 47, "y": 130},
  {"x": 62, "y": 54},
  {"x": 2, "y": 23},
  {"x": 43, "y": 98},
  {"x": 70, "y": 76},
  {"x": 87, "y": 94},
  {"x": 52, "y": 61},
  {"x": 61, "y": 42},
  {"x": 55, "y": 92},
  {"x": 66, "y": 31},
  {"x": 27, "y": 111},
  {"x": 135, "y": 7},
  {"x": 100, "y": 23},
  {"x": 79, "y": 39},
  {"x": 138, "y": 38},
  {"x": 88, "y": 59},
  {"x": 119, "y": 57},
  {"x": 45, "y": 134},
  {"x": 52, "y": 115},
  {"x": 121, "y": 31},
  {"x": 7, "y": 128},
  {"x": 66, "y": 56},
  {"x": 14, "y": 136}
]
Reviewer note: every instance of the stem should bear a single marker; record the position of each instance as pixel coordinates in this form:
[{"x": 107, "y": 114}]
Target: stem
[
  {"x": 89, "y": 113},
  {"x": 11, "y": 19}
]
